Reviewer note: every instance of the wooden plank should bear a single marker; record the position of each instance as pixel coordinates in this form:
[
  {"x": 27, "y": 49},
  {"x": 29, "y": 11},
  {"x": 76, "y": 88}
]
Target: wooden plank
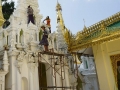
[{"x": 51, "y": 53}]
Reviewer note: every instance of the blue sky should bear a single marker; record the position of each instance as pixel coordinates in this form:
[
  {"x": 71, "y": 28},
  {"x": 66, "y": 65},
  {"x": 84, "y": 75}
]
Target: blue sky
[{"x": 74, "y": 11}]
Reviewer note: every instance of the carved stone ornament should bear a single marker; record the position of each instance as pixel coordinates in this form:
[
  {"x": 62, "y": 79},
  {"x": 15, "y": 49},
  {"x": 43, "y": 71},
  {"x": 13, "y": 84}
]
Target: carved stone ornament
[
  {"x": 31, "y": 58},
  {"x": 20, "y": 60},
  {"x": 19, "y": 65},
  {"x": 21, "y": 56},
  {"x": 114, "y": 60}
]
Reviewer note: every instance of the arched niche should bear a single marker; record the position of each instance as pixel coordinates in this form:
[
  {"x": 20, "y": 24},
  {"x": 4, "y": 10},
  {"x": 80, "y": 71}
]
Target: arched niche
[{"x": 24, "y": 83}]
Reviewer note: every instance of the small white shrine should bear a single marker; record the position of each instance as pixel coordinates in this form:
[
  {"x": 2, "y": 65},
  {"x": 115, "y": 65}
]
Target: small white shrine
[{"x": 88, "y": 73}]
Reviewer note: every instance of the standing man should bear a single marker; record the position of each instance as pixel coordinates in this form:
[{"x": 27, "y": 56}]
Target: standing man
[
  {"x": 30, "y": 15},
  {"x": 44, "y": 40}
]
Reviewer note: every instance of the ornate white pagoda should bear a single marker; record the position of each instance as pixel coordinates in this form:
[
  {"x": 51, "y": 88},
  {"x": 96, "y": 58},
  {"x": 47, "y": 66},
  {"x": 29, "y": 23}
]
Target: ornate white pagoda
[{"x": 22, "y": 57}]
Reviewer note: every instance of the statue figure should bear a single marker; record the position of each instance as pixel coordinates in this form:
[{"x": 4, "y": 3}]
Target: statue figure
[
  {"x": 30, "y": 15},
  {"x": 44, "y": 40},
  {"x": 48, "y": 23}
]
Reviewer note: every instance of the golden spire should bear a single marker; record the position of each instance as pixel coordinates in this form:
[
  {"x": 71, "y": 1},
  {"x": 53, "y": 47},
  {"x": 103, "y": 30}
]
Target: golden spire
[
  {"x": 1, "y": 15},
  {"x": 59, "y": 15},
  {"x": 58, "y": 6}
]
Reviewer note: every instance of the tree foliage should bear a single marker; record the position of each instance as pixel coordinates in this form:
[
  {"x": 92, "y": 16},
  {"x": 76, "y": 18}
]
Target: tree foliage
[{"x": 7, "y": 8}]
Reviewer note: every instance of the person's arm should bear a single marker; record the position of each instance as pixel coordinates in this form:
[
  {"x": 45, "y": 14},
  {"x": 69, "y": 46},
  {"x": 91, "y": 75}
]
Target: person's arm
[{"x": 44, "y": 20}]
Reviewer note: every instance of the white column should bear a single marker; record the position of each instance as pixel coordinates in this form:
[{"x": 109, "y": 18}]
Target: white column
[
  {"x": 58, "y": 77},
  {"x": 12, "y": 69},
  {"x": 3, "y": 84},
  {"x": 31, "y": 81},
  {"x": 36, "y": 78},
  {"x": 19, "y": 81},
  {"x": 31, "y": 75}
]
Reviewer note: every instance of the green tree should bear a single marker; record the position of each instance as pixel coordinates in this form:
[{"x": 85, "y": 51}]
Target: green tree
[{"x": 7, "y": 8}]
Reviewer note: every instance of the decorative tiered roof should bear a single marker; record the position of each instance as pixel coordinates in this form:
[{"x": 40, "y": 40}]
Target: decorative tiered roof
[
  {"x": 98, "y": 33},
  {"x": 106, "y": 22}
]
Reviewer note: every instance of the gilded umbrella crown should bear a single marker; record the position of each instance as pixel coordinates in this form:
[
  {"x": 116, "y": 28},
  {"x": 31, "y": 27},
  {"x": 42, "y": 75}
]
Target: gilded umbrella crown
[{"x": 58, "y": 6}]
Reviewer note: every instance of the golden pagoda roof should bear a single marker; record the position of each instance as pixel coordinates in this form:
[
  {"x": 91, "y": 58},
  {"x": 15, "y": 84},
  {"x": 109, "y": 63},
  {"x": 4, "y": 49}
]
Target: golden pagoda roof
[{"x": 95, "y": 34}]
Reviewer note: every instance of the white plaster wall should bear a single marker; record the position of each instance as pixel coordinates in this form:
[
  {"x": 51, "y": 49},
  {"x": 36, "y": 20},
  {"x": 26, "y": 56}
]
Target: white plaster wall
[{"x": 25, "y": 72}]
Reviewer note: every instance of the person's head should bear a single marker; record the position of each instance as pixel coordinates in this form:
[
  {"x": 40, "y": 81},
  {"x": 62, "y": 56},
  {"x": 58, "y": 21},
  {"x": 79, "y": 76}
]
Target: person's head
[
  {"x": 47, "y": 17},
  {"x": 43, "y": 27},
  {"x": 29, "y": 6}
]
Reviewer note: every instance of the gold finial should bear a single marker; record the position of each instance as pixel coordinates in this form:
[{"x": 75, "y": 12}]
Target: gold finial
[
  {"x": 58, "y": 6},
  {"x": 1, "y": 15},
  {"x": 84, "y": 25}
]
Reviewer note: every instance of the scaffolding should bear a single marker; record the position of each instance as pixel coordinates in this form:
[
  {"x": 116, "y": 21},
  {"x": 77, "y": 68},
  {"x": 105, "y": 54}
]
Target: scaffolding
[{"x": 59, "y": 71}]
